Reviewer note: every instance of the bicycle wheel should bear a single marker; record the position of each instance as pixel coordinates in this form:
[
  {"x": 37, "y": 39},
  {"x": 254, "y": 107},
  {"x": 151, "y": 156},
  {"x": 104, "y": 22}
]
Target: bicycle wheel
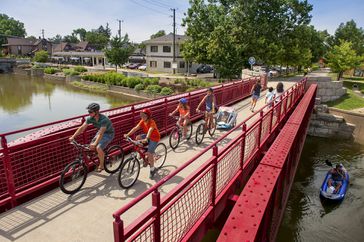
[
  {"x": 73, "y": 177},
  {"x": 114, "y": 157},
  {"x": 160, "y": 155},
  {"x": 174, "y": 138},
  {"x": 129, "y": 172},
  {"x": 200, "y": 134},
  {"x": 189, "y": 131},
  {"x": 212, "y": 127}
]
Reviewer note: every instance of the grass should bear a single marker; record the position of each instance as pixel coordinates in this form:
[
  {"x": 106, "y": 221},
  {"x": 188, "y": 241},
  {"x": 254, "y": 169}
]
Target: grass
[
  {"x": 94, "y": 88},
  {"x": 349, "y": 101},
  {"x": 354, "y": 78}
]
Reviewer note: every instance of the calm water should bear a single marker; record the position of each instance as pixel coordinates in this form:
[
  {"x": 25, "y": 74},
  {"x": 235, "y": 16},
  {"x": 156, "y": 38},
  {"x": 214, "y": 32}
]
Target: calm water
[
  {"x": 307, "y": 218},
  {"x": 26, "y": 101}
]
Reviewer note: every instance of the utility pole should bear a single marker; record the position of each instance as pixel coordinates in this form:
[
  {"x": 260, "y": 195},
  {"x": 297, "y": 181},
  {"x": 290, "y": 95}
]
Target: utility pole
[
  {"x": 119, "y": 31},
  {"x": 42, "y": 33},
  {"x": 174, "y": 39}
]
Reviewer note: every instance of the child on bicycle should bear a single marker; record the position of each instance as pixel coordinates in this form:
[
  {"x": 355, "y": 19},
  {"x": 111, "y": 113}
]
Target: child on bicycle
[
  {"x": 184, "y": 114},
  {"x": 151, "y": 137},
  {"x": 104, "y": 135},
  {"x": 209, "y": 101}
]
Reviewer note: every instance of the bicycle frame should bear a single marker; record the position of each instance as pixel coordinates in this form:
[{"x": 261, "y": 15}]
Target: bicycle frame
[
  {"x": 84, "y": 151},
  {"x": 141, "y": 150}
]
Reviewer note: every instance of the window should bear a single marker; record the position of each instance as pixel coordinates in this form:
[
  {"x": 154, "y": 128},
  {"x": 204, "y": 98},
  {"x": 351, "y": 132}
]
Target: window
[
  {"x": 154, "y": 48},
  {"x": 167, "y": 49},
  {"x": 182, "y": 64},
  {"x": 153, "y": 64},
  {"x": 167, "y": 64}
]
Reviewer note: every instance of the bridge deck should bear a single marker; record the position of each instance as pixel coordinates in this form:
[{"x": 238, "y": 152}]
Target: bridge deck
[{"x": 87, "y": 215}]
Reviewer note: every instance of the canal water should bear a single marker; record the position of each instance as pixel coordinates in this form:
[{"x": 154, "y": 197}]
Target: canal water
[
  {"x": 27, "y": 101},
  {"x": 307, "y": 218}
]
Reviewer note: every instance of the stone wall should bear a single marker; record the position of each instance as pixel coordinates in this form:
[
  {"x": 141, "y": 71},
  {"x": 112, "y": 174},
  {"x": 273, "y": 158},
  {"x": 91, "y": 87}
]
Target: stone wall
[
  {"x": 324, "y": 124},
  {"x": 328, "y": 90}
]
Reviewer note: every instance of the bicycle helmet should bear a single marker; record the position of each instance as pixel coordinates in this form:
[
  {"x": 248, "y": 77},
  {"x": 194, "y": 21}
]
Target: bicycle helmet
[
  {"x": 183, "y": 100},
  {"x": 147, "y": 112},
  {"x": 210, "y": 89},
  {"x": 94, "y": 107}
]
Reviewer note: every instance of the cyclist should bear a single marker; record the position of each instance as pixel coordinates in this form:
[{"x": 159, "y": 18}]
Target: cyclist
[
  {"x": 104, "y": 135},
  {"x": 209, "y": 101},
  {"x": 184, "y": 114},
  {"x": 151, "y": 136}
]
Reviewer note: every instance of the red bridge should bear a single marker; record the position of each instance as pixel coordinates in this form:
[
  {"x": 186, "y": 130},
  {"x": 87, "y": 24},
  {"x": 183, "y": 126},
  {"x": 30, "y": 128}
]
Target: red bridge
[{"x": 258, "y": 157}]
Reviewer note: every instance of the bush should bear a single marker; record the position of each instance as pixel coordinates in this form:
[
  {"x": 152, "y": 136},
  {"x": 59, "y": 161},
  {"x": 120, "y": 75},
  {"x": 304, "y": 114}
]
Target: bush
[
  {"x": 153, "y": 89},
  {"x": 41, "y": 56},
  {"x": 133, "y": 81},
  {"x": 80, "y": 69},
  {"x": 166, "y": 91},
  {"x": 191, "y": 89},
  {"x": 70, "y": 72},
  {"x": 139, "y": 87},
  {"x": 50, "y": 70}
]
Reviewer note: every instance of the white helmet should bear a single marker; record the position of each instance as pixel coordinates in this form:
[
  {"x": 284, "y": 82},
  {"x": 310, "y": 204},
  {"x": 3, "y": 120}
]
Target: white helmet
[{"x": 330, "y": 190}]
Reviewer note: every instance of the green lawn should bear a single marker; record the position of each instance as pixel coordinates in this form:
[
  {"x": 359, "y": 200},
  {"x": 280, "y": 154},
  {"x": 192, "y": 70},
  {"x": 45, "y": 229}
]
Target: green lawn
[{"x": 348, "y": 102}]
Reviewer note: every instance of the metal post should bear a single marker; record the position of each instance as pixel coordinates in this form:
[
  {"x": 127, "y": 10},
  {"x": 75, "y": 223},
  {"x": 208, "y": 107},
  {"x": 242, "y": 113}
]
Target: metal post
[
  {"x": 165, "y": 114},
  {"x": 214, "y": 175},
  {"x": 118, "y": 226},
  {"x": 157, "y": 217},
  {"x": 8, "y": 171},
  {"x": 260, "y": 127},
  {"x": 243, "y": 146},
  {"x": 174, "y": 38}
]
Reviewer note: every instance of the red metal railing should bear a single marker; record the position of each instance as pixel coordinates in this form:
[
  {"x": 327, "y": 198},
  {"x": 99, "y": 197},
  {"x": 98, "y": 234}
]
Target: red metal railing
[
  {"x": 258, "y": 211},
  {"x": 195, "y": 203},
  {"x": 33, "y": 163}
]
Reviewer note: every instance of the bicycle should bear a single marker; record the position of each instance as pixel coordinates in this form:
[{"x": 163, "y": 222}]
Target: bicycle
[
  {"x": 129, "y": 171},
  {"x": 176, "y": 134},
  {"x": 75, "y": 173},
  {"x": 204, "y": 126}
]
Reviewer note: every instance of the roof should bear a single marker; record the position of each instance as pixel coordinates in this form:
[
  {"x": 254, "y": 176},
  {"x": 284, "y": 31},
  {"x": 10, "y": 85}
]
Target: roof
[
  {"x": 166, "y": 39},
  {"x": 81, "y": 54},
  {"x": 19, "y": 41}
]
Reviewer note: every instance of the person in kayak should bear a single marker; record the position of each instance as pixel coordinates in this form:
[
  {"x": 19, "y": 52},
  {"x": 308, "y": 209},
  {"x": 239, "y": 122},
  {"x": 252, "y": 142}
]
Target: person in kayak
[{"x": 337, "y": 177}]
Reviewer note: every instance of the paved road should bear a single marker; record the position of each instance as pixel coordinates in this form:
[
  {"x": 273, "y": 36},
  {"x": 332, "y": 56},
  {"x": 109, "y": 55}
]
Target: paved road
[{"x": 87, "y": 215}]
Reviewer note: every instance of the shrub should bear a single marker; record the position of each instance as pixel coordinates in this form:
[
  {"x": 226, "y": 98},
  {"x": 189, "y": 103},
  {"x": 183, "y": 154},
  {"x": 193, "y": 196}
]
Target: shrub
[
  {"x": 41, "y": 56},
  {"x": 50, "y": 70},
  {"x": 153, "y": 89},
  {"x": 191, "y": 89},
  {"x": 70, "y": 72},
  {"x": 80, "y": 69},
  {"x": 166, "y": 91},
  {"x": 139, "y": 87},
  {"x": 133, "y": 81}
]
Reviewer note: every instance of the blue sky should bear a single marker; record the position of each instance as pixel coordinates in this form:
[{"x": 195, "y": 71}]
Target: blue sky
[{"x": 142, "y": 18}]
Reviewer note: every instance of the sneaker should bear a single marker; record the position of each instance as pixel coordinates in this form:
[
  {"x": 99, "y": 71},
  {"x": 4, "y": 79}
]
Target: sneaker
[
  {"x": 152, "y": 172},
  {"x": 145, "y": 164}
]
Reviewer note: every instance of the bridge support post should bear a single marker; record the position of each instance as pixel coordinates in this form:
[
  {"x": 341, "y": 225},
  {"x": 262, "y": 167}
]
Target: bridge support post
[
  {"x": 260, "y": 128},
  {"x": 118, "y": 225},
  {"x": 214, "y": 177},
  {"x": 9, "y": 172},
  {"x": 243, "y": 147},
  {"x": 156, "y": 202}
]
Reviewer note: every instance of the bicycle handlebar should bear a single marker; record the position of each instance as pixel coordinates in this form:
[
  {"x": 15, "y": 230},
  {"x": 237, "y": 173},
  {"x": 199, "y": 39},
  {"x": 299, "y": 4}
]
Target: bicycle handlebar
[
  {"x": 80, "y": 146},
  {"x": 135, "y": 142}
]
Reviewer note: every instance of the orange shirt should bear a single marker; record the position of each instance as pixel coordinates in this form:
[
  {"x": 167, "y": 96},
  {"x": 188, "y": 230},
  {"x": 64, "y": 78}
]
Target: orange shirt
[
  {"x": 155, "y": 136},
  {"x": 182, "y": 111}
]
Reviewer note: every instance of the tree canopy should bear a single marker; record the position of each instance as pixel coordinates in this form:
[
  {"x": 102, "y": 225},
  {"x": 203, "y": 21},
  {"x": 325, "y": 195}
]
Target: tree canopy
[
  {"x": 10, "y": 27},
  {"x": 350, "y": 33},
  {"x": 120, "y": 51},
  {"x": 158, "y": 34}
]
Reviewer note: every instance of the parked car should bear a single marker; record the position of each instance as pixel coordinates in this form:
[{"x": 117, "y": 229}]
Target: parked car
[
  {"x": 204, "y": 69},
  {"x": 134, "y": 66},
  {"x": 143, "y": 67}
]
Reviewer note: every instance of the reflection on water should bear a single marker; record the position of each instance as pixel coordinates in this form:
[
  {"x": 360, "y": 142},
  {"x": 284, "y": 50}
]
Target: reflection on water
[
  {"x": 307, "y": 217},
  {"x": 26, "y": 101}
]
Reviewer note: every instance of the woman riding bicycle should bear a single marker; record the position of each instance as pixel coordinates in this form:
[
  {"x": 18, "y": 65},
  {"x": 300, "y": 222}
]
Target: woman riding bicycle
[
  {"x": 209, "y": 101},
  {"x": 151, "y": 137},
  {"x": 184, "y": 114}
]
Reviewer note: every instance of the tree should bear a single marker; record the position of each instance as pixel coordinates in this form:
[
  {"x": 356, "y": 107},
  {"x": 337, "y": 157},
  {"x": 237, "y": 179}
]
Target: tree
[
  {"x": 81, "y": 32},
  {"x": 96, "y": 39},
  {"x": 343, "y": 57},
  {"x": 350, "y": 33},
  {"x": 41, "y": 56},
  {"x": 71, "y": 39},
  {"x": 104, "y": 31},
  {"x": 120, "y": 51},
  {"x": 158, "y": 34},
  {"x": 56, "y": 39},
  {"x": 10, "y": 27}
]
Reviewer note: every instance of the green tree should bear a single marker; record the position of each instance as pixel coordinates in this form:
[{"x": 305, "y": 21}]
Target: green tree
[
  {"x": 72, "y": 38},
  {"x": 56, "y": 39},
  {"x": 96, "y": 39},
  {"x": 10, "y": 27},
  {"x": 41, "y": 56},
  {"x": 120, "y": 51},
  {"x": 158, "y": 34},
  {"x": 350, "y": 33},
  {"x": 343, "y": 57},
  {"x": 104, "y": 31},
  {"x": 81, "y": 33}
]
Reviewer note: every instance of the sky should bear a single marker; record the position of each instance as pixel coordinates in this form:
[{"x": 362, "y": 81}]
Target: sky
[{"x": 142, "y": 18}]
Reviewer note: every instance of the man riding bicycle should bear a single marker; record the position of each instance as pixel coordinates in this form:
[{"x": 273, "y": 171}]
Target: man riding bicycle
[
  {"x": 151, "y": 137},
  {"x": 184, "y": 114},
  {"x": 104, "y": 135},
  {"x": 209, "y": 101}
]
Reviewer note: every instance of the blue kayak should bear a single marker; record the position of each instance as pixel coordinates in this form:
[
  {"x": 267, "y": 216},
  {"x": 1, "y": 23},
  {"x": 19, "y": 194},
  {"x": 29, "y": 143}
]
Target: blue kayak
[{"x": 325, "y": 190}]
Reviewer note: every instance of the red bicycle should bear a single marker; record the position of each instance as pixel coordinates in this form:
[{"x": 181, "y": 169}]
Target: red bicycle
[{"x": 129, "y": 171}]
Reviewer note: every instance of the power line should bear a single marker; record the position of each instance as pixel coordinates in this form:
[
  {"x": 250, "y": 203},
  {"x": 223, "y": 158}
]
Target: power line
[
  {"x": 157, "y": 4},
  {"x": 154, "y": 10}
]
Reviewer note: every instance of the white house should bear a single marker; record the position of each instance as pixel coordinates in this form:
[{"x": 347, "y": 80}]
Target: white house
[{"x": 159, "y": 54}]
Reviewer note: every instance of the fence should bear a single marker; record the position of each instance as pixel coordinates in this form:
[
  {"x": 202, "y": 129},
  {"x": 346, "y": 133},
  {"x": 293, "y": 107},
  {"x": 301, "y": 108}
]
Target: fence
[
  {"x": 195, "y": 203},
  {"x": 33, "y": 163},
  {"x": 258, "y": 212}
]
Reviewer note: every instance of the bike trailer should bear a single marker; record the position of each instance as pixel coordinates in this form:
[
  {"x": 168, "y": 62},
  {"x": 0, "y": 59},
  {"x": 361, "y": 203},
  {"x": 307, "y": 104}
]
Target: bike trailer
[{"x": 226, "y": 118}]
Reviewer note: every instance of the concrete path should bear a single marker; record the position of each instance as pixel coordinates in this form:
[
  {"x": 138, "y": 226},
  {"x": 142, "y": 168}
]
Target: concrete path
[{"x": 87, "y": 215}]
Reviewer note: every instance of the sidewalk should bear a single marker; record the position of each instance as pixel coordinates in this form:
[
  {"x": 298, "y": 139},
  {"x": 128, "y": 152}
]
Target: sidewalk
[{"x": 87, "y": 215}]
